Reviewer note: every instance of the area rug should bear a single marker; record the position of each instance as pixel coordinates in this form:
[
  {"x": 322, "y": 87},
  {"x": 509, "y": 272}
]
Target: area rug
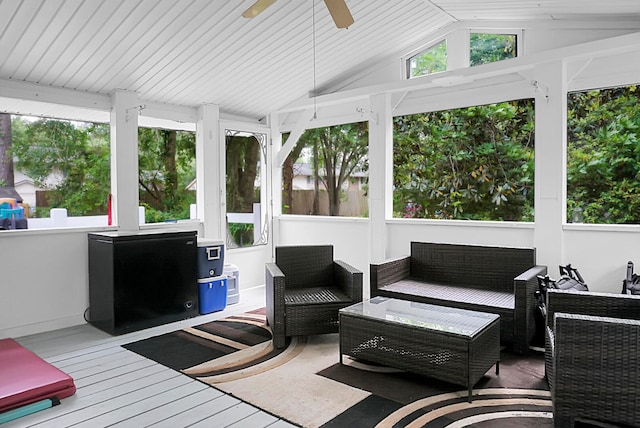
[{"x": 305, "y": 383}]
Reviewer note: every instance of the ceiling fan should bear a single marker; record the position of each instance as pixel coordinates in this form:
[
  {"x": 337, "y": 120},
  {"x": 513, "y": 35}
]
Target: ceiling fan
[{"x": 337, "y": 8}]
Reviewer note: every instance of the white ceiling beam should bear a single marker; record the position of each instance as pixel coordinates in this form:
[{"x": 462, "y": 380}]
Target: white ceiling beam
[
  {"x": 53, "y": 95},
  {"x": 605, "y": 47}
]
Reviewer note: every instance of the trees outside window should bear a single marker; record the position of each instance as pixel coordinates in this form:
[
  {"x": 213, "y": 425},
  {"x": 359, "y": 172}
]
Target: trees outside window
[
  {"x": 474, "y": 163},
  {"x": 245, "y": 214},
  {"x": 326, "y": 173},
  {"x": 486, "y": 48},
  {"x": 68, "y": 162},
  {"x": 166, "y": 167},
  {"x": 429, "y": 61},
  {"x": 603, "y": 156}
]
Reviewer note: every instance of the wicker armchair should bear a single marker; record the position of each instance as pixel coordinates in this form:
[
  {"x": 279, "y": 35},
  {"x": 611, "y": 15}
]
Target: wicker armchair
[
  {"x": 592, "y": 357},
  {"x": 305, "y": 290}
]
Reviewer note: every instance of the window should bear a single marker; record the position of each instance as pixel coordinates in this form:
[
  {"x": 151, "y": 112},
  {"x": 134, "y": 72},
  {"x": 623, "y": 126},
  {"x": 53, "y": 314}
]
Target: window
[
  {"x": 166, "y": 171},
  {"x": 432, "y": 60},
  {"x": 246, "y": 217},
  {"x": 473, "y": 163},
  {"x": 486, "y": 48},
  {"x": 61, "y": 170},
  {"x": 603, "y": 156},
  {"x": 317, "y": 174}
]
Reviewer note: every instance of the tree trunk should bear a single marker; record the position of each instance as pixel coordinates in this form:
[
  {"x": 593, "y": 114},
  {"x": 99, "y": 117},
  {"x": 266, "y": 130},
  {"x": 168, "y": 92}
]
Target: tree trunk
[
  {"x": 171, "y": 181},
  {"x": 287, "y": 178},
  {"x": 242, "y": 169},
  {"x": 316, "y": 180},
  {"x": 6, "y": 158}
]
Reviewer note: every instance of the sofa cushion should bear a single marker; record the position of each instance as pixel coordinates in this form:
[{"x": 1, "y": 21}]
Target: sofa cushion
[{"x": 463, "y": 294}]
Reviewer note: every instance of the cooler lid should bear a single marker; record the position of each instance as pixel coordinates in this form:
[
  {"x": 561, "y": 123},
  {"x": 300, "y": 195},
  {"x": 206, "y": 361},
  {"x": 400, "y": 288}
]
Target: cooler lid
[
  {"x": 207, "y": 242},
  {"x": 211, "y": 279}
]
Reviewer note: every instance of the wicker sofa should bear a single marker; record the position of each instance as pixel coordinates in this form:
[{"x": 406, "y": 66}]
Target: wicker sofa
[
  {"x": 592, "y": 357},
  {"x": 500, "y": 280}
]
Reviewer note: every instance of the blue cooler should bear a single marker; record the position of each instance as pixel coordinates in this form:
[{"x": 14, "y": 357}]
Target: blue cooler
[
  {"x": 210, "y": 258},
  {"x": 212, "y": 294}
]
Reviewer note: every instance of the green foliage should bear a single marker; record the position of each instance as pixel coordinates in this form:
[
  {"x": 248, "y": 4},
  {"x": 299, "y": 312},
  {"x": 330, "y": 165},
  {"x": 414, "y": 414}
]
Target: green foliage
[
  {"x": 603, "y": 157},
  {"x": 241, "y": 233},
  {"x": 166, "y": 166},
  {"x": 472, "y": 163},
  {"x": 338, "y": 151},
  {"x": 432, "y": 60},
  {"x": 243, "y": 162},
  {"x": 70, "y": 159},
  {"x": 486, "y": 48}
]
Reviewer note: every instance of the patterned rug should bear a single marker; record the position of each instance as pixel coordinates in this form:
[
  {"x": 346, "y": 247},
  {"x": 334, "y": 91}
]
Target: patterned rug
[{"x": 236, "y": 355}]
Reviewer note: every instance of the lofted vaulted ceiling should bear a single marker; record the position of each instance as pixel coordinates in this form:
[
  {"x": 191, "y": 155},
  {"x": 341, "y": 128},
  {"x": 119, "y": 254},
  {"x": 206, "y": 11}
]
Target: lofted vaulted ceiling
[{"x": 190, "y": 52}]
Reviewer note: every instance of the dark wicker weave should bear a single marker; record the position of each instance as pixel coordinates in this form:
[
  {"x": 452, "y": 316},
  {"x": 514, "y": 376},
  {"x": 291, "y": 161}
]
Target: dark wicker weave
[
  {"x": 305, "y": 290},
  {"x": 596, "y": 369},
  {"x": 499, "y": 280},
  {"x": 453, "y": 345},
  {"x": 592, "y": 353}
]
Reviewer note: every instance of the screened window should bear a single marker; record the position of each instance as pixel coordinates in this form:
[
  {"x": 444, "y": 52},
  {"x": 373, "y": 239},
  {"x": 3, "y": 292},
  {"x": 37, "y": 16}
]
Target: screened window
[
  {"x": 486, "y": 47},
  {"x": 603, "y": 156},
  {"x": 58, "y": 169},
  {"x": 326, "y": 173},
  {"x": 473, "y": 163},
  {"x": 432, "y": 60},
  {"x": 166, "y": 171}
]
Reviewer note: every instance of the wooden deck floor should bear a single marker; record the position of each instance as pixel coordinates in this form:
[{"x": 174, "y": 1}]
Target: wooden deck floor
[{"x": 118, "y": 388}]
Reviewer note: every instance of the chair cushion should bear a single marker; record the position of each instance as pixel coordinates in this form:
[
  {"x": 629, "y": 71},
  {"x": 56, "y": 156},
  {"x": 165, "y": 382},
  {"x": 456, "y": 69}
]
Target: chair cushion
[
  {"x": 462, "y": 294},
  {"x": 314, "y": 295}
]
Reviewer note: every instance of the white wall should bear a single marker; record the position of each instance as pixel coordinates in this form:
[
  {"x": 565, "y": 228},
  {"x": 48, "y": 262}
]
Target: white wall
[
  {"x": 44, "y": 280},
  {"x": 349, "y": 237},
  {"x": 601, "y": 253}
]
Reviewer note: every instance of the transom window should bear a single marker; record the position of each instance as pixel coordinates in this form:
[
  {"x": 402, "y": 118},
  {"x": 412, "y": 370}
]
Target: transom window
[
  {"x": 486, "y": 47},
  {"x": 429, "y": 61}
]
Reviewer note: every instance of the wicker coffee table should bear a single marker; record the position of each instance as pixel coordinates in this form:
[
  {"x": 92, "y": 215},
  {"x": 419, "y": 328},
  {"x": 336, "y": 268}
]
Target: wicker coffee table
[{"x": 454, "y": 345}]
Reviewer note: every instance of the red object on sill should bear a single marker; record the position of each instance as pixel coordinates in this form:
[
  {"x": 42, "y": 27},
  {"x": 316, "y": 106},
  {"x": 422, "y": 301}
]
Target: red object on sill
[{"x": 109, "y": 214}]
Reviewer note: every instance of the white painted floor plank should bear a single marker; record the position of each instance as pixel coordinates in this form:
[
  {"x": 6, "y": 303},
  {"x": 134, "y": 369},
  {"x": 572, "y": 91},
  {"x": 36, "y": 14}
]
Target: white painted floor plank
[
  {"x": 199, "y": 413},
  {"x": 227, "y": 417},
  {"x": 102, "y": 375},
  {"x": 256, "y": 420},
  {"x": 161, "y": 413},
  {"x": 149, "y": 404},
  {"x": 114, "y": 404}
]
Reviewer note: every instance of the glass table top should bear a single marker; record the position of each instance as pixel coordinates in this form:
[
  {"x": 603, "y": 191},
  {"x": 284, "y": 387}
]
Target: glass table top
[{"x": 441, "y": 318}]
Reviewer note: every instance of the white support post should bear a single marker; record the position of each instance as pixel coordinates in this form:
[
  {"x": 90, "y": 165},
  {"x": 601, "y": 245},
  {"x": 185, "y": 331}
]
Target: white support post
[
  {"x": 274, "y": 180},
  {"x": 550, "y": 86},
  {"x": 380, "y": 174},
  {"x": 124, "y": 159},
  {"x": 210, "y": 172},
  {"x": 458, "y": 49}
]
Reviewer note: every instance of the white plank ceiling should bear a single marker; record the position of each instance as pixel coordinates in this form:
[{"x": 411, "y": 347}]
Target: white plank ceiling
[{"x": 190, "y": 52}]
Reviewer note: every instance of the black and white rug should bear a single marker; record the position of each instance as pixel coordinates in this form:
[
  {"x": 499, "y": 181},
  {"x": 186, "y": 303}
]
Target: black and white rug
[{"x": 304, "y": 383}]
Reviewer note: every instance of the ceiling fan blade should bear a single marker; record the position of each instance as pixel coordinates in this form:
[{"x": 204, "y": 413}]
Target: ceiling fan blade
[
  {"x": 257, "y": 8},
  {"x": 339, "y": 12}
]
